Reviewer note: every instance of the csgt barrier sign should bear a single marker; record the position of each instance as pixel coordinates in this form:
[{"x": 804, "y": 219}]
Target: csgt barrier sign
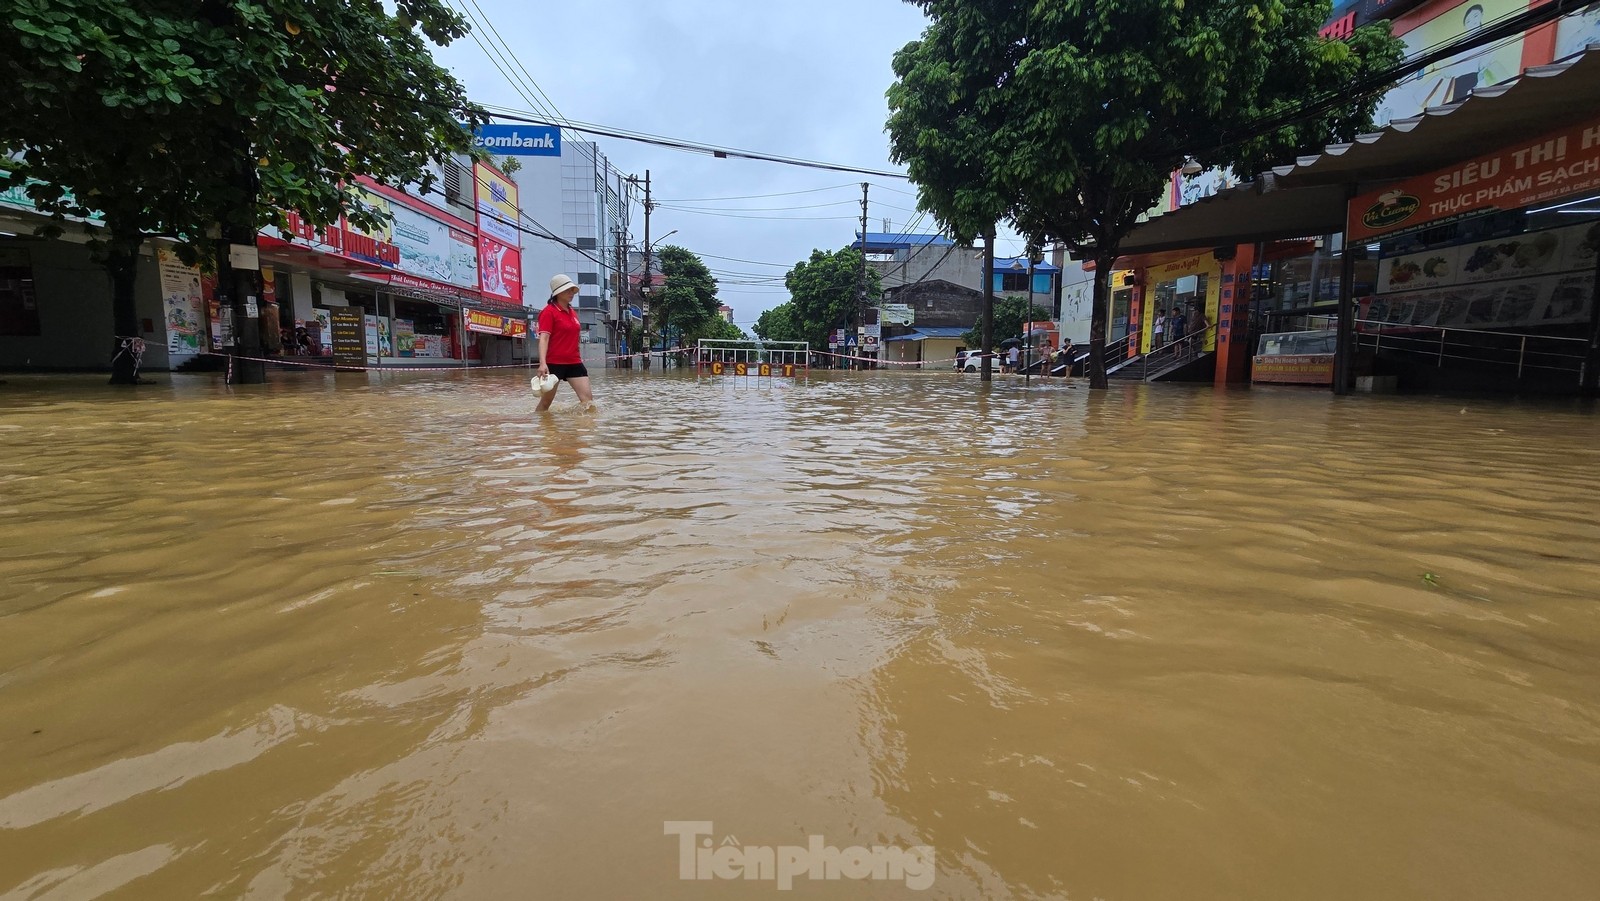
[{"x": 519, "y": 140}]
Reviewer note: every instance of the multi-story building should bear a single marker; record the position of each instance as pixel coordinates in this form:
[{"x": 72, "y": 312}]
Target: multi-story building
[{"x": 575, "y": 210}]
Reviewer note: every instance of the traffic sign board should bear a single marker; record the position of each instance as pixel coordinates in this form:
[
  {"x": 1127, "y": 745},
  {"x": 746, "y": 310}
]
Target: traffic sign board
[{"x": 850, "y": 341}]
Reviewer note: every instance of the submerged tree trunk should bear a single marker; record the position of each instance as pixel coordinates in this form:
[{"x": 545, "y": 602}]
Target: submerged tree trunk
[
  {"x": 1097, "y": 320},
  {"x": 988, "y": 307},
  {"x": 122, "y": 265}
]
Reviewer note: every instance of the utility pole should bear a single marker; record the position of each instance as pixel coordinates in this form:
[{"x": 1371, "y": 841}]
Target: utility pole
[
  {"x": 861, "y": 293},
  {"x": 644, "y": 285},
  {"x": 619, "y": 238},
  {"x": 988, "y": 306}
]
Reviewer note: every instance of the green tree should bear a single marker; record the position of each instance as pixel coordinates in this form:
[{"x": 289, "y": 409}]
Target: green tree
[
  {"x": 1009, "y": 315},
  {"x": 778, "y": 324},
  {"x": 1079, "y": 111},
  {"x": 823, "y": 293},
  {"x": 201, "y": 120},
  {"x": 715, "y": 328},
  {"x": 687, "y": 298}
]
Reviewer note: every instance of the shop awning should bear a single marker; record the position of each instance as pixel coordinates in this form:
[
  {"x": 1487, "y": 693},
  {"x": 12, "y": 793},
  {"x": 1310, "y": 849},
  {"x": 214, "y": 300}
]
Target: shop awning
[{"x": 1308, "y": 197}]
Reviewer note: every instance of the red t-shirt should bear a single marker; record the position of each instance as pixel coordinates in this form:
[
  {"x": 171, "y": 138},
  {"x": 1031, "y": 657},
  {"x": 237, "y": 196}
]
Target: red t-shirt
[{"x": 563, "y": 330}]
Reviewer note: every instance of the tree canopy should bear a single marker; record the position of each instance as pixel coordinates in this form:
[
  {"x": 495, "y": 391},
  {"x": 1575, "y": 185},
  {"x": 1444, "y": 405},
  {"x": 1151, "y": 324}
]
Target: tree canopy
[
  {"x": 1076, "y": 113},
  {"x": 687, "y": 299},
  {"x": 822, "y": 295},
  {"x": 778, "y": 324},
  {"x": 185, "y": 117},
  {"x": 1009, "y": 315}
]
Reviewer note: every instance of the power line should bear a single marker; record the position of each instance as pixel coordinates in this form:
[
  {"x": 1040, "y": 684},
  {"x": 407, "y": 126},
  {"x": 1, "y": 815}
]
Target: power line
[
  {"x": 757, "y": 196},
  {"x": 720, "y": 152},
  {"x": 755, "y": 209}
]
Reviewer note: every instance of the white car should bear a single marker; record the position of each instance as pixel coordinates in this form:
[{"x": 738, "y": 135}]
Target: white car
[{"x": 972, "y": 361}]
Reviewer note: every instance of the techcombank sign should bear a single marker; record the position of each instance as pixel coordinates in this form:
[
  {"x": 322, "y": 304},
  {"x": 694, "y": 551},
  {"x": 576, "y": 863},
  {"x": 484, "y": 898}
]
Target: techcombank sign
[{"x": 519, "y": 140}]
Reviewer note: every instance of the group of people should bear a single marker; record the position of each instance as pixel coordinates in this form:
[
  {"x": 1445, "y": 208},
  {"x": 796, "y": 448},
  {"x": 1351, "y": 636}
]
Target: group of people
[
  {"x": 1169, "y": 328},
  {"x": 1011, "y": 360}
]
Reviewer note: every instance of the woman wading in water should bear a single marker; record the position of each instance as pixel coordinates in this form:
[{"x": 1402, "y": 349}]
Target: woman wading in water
[{"x": 558, "y": 344}]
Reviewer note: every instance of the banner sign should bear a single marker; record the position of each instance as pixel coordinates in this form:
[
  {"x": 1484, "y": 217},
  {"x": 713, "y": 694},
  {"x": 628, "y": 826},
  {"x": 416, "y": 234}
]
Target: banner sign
[
  {"x": 519, "y": 140},
  {"x": 183, "y": 300},
  {"x": 1293, "y": 369},
  {"x": 499, "y": 270},
  {"x": 348, "y": 328},
  {"x": 495, "y": 324},
  {"x": 431, "y": 249},
  {"x": 498, "y": 211},
  {"x": 1553, "y": 167}
]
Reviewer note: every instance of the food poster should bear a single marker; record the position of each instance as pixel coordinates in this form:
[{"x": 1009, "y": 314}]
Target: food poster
[
  {"x": 1518, "y": 257},
  {"x": 1561, "y": 299},
  {"x": 1428, "y": 269},
  {"x": 405, "y": 338},
  {"x": 1532, "y": 255},
  {"x": 183, "y": 304}
]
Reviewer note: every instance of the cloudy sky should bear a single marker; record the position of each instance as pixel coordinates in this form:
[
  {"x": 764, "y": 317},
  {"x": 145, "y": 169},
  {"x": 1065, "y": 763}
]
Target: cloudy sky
[{"x": 799, "y": 78}]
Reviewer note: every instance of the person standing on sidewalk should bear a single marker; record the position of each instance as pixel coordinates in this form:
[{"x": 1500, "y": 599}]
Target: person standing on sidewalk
[{"x": 558, "y": 343}]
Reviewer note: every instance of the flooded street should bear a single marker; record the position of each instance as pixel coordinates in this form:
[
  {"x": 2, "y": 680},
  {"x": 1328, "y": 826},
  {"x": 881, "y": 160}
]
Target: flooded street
[{"x": 404, "y": 638}]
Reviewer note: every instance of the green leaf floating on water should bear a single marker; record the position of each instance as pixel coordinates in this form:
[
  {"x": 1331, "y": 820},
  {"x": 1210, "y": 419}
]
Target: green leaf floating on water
[{"x": 1431, "y": 579}]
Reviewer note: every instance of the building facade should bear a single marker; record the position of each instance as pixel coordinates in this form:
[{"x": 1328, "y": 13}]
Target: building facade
[{"x": 440, "y": 281}]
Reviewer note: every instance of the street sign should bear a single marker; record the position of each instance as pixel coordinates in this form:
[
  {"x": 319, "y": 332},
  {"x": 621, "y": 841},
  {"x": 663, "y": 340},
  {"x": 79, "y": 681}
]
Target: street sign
[
  {"x": 872, "y": 342},
  {"x": 850, "y": 341}
]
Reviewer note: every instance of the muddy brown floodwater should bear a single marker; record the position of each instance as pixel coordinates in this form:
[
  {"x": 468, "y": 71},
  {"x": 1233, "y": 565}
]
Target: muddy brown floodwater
[{"x": 399, "y": 637}]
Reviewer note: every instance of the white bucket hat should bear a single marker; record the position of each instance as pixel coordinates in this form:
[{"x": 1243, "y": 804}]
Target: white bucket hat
[{"x": 561, "y": 284}]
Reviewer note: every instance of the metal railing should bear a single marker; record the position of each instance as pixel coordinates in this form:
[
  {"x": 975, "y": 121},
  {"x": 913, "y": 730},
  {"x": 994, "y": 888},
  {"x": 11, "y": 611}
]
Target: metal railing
[
  {"x": 1518, "y": 350},
  {"x": 1181, "y": 350}
]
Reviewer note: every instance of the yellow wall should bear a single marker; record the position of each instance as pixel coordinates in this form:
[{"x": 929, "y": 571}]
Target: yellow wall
[{"x": 1200, "y": 264}]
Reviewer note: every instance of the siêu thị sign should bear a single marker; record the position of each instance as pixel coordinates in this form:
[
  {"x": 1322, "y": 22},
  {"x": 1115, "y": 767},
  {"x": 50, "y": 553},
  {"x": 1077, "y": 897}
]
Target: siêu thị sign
[{"x": 1555, "y": 166}]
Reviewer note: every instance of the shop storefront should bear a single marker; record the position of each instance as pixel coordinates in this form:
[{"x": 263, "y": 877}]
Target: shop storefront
[
  {"x": 1505, "y": 241},
  {"x": 1191, "y": 288}
]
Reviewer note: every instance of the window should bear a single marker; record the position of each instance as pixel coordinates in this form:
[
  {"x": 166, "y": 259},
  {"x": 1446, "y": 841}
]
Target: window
[
  {"x": 588, "y": 278},
  {"x": 586, "y": 243},
  {"x": 1014, "y": 281}
]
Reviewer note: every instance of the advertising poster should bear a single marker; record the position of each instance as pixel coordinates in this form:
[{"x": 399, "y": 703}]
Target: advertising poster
[
  {"x": 1451, "y": 80},
  {"x": 380, "y": 204},
  {"x": 500, "y": 268},
  {"x": 385, "y": 337},
  {"x": 371, "y": 337},
  {"x": 431, "y": 249},
  {"x": 498, "y": 212},
  {"x": 322, "y": 332},
  {"x": 183, "y": 304},
  {"x": 348, "y": 331},
  {"x": 405, "y": 338},
  {"x": 485, "y": 323},
  {"x": 1578, "y": 32}
]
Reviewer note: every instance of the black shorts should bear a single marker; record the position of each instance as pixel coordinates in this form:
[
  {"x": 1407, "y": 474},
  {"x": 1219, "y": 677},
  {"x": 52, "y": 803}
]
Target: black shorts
[{"x": 569, "y": 371}]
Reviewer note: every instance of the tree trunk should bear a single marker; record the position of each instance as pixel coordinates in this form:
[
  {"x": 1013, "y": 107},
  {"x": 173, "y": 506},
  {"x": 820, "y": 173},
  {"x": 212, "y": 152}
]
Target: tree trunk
[
  {"x": 1097, "y": 321},
  {"x": 122, "y": 264},
  {"x": 988, "y": 307}
]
